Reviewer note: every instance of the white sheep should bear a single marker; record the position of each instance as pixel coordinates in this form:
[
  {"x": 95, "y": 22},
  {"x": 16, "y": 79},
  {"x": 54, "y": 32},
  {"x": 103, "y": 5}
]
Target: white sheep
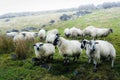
[
  {"x": 29, "y": 35},
  {"x": 11, "y": 34},
  {"x": 97, "y": 32},
  {"x": 50, "y": 38},
  {"x": 75, "y": 32},
  {"x": 67, "y": 32},
  {"x": 53, "y": 31},
  {"x": 42, "y": 34},
  {"x": 19, "y": 37},
  {"x": 90, "y": 31},
  {"x": 68, "y": 48},
  {"x": 97, "y": 49},
  {"x": 103, "y": 32},
  {"x": 45, "y": 50}
]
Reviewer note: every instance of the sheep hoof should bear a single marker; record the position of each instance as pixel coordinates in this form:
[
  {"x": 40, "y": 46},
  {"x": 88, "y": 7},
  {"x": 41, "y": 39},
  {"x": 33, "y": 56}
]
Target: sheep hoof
[
  {"x": 66, "y": 61},
  {"x": 94, "y": 70}
]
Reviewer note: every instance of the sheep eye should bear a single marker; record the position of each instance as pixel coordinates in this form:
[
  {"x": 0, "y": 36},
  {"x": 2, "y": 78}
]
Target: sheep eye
[{"x": 41, "y": 45}]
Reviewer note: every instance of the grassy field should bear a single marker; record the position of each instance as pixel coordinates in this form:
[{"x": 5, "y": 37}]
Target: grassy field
[{"x": 80, "y": 70}]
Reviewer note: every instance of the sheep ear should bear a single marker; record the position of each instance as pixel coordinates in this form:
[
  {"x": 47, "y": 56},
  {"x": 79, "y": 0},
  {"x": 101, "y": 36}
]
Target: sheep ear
[
  {"x": 24, "y": 34},
  {"x": 34, "y": 45},
  {"x": 96, "y": 42},
  {"x": 41, "y": 45},
  {"x": 58, "y": 35},
  {"x": 111, "y": 30}
]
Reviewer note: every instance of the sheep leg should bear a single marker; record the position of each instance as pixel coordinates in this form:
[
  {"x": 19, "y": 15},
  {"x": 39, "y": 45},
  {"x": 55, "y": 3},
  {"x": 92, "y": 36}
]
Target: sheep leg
[
  {"x": 89, "y": 61},
  {"x": 66, "y": 60},
  {"x": 95, "y": 66},
  {"x": 112, "y": 64}
]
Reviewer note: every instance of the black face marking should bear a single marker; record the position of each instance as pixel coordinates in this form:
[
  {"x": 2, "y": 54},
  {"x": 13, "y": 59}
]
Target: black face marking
[
  {"x": 83, "y": 44},
  {"x": 41, "y": 45},
  {"x": 38, "y": 48},
  {"x": 111, "y": 30},
  {"x": 56, "y": 40}
]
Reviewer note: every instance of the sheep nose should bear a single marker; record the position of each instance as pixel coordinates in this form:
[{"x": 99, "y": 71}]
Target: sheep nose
[
  {"x": 82, "y": 46},
  {"x": 94, "y": 49},
  {"x": 38, "y": 48}
]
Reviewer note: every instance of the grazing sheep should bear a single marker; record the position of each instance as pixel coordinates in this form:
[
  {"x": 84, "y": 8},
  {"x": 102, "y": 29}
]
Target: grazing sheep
[
  {"x": 103, "y": 32},
  {"x": 80, "y": 33},
  {"x": 54, "y": 31},
  {"x": 11, "y": 34},
  {"x": 50, "y": 38},
  {"x": 42, "y": 34},
  {"x": 67, "y": 32},
  {"x": 90, "y": 31},
  {"x": 97, "y": 32},
  {"x": 75, "y": 32},
  {"x": 45, "y": 50},
  {"x": 68, "y": 48},
  {"x": 30, "y": 35},
  {"x": 19, "y": 37},
  {"x": 97, "y": 49}
]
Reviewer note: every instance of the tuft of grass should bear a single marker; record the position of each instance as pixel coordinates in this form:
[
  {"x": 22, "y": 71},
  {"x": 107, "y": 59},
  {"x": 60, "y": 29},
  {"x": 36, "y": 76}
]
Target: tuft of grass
[
  {"x": 23, "y": 49},
  {"x": 6, "y": 44}
]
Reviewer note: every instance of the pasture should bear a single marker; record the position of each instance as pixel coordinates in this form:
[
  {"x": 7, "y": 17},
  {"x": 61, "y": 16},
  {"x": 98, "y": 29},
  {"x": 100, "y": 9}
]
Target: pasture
[{"x": 24, "y": 69}]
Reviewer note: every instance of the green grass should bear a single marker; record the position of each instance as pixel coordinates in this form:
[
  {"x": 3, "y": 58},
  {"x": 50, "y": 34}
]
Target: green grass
[{"x": 25, "y": 70}]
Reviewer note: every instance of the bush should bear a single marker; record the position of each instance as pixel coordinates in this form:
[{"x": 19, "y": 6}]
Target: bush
[{"x": 6, "y": 44}]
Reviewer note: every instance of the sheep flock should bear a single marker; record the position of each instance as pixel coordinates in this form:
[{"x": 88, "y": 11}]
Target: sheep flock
[{"x": 71, "y": 44}]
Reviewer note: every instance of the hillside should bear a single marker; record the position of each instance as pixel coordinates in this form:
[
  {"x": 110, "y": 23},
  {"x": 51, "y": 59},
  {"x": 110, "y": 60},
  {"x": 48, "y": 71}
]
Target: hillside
[{"x": 80, "y": 70}]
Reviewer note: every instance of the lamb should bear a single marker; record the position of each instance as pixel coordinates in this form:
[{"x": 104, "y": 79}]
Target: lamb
[
  {"x": 67, "y": 32},
  {"x": 42, "y": 34},
  {"x": 43, "y": 51},
  {"x": 68, "y": 48},
  {"x": 97, "y": 49}
]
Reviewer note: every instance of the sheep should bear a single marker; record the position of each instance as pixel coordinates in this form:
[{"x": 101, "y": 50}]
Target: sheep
[
  {"x": 103, "y": 32},
  {"x": 50, "y": 38},
  {"x": 90, "y": 31},
  {"x": 97, "y": 32},
  {"x": 67, "y": 32},
  {"x": 43, "y": 51},
  {"x": 54, "y": 31},
  {"x": 75, "y": 32},
  {"x": 42, "y": 34},
  {"x": 68, "y": 48},
  {"x": 95, "y": 49},
  {"x": 11, "y": 34},
  {"x": 19, "y": 37},
  {"x": 29, "y": 35}
]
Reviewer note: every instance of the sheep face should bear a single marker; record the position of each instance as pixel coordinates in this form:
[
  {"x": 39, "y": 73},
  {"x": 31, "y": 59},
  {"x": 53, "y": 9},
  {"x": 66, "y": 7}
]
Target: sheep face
[
  {"x": 56, "y": 40},
  {"x": 37, "y": 46},
  {"x": 67, "y": 35},
  {"x": 83, "y": 43},
  {"x": 111, "y": 30},
  {"x": 92, "y": 45}
]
